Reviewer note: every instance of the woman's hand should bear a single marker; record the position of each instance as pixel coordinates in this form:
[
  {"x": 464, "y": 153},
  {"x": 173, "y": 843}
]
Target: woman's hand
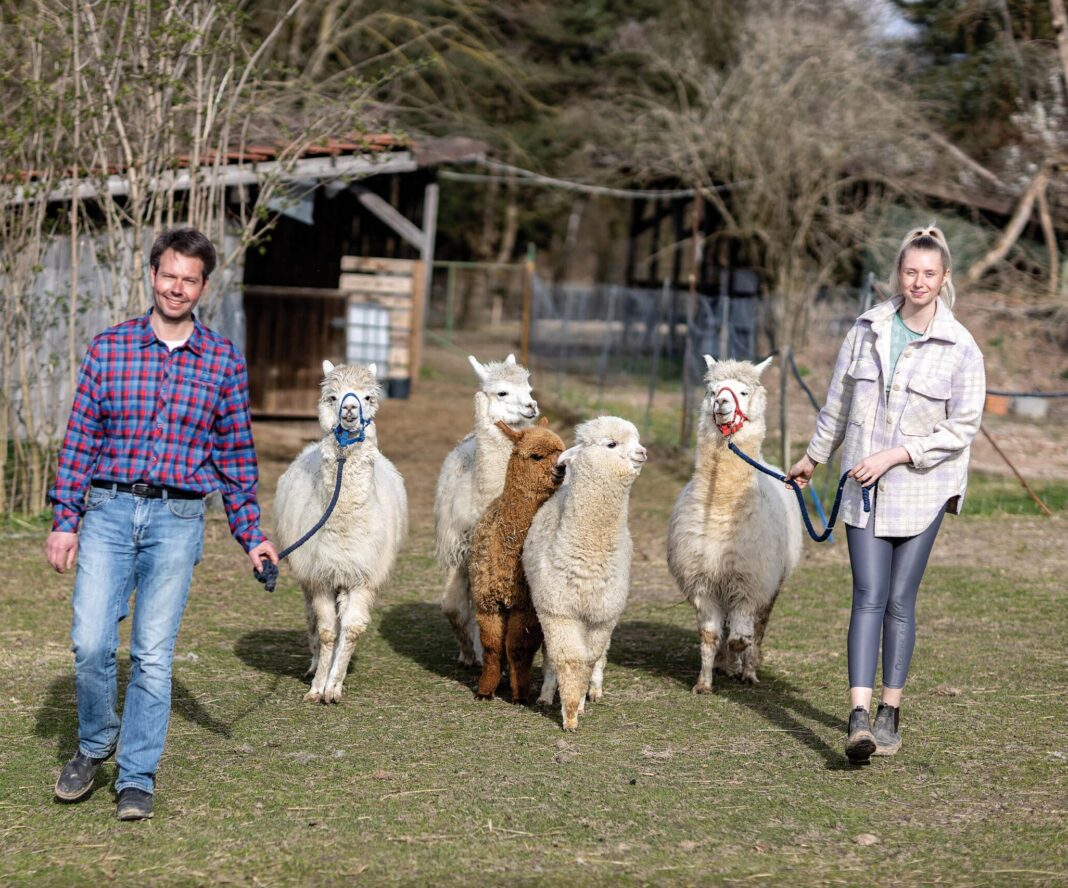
[
  {"x": 872, "y": 468},
  {"x": 801, "y": 471}
]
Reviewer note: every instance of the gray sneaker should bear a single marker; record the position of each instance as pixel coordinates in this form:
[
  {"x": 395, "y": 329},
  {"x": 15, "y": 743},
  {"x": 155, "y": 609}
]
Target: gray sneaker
[
  {"x": 860, "y": 743},
  {"x": 887, "y": 738}
]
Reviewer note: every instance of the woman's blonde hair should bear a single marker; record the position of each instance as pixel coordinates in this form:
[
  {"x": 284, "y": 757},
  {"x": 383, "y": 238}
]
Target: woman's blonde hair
[{"x": 929, "y": 238}]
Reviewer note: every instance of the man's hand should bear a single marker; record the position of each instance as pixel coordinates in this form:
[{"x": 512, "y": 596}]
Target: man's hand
[
  {"x": 263, "y": 550},
  {"x": 872, "y": 468},
  {"x": 801, "y": 471},
  {"x": 61, "y": 550}
]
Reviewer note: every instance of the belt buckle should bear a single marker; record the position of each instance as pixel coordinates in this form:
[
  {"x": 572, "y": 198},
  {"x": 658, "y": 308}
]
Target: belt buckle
[{"x": 139, "y": 488}]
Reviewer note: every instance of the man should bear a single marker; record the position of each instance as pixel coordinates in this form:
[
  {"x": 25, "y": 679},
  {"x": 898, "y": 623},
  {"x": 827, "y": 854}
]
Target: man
[{"x": 160, "y": 419}]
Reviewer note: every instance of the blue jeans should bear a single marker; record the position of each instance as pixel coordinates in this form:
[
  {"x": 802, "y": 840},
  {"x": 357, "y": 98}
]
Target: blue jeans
[{"x": 127, "y": 542}]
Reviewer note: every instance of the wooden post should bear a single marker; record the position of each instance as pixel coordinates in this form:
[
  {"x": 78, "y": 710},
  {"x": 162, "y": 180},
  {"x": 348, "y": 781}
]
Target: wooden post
[
  {"x": 528, "y": 299},
  {"x": 784, "y": 416},
  {"x": 421, "y": 296},
  {"x": 691, "y": 312}
]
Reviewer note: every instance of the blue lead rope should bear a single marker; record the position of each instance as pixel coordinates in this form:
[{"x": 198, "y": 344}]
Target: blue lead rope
[
  {"x": 818, "y": 537},
  {"x": 269, "y": 575}
]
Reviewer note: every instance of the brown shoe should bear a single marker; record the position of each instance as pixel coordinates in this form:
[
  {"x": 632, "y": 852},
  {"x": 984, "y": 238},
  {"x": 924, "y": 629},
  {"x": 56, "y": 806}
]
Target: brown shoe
[{"x": 860, "y": 743}]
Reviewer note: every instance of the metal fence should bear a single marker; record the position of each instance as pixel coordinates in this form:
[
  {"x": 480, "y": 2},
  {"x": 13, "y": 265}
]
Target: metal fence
[{"x": 586, "y": 339}]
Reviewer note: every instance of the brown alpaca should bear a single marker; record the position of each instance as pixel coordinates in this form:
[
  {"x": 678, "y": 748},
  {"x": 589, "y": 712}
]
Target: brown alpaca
[{"x": 506, "y": 618}]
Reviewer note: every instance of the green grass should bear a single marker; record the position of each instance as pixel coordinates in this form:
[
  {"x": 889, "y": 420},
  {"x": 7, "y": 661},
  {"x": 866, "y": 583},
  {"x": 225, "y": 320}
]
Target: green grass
[
  {"x": 411, "y": 781},
  {"x": 1000, "y": 495}
]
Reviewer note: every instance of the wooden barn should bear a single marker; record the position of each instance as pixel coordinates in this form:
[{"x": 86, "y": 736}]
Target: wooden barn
[{"x": 344, "y": 273}]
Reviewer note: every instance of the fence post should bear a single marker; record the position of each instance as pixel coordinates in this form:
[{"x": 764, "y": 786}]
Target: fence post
[
  {"x": 784, "y": 417},
  {"x": 528, "y": 298},
  {"x": 691, "y": 312},
  {"x": 664, "y": 297}
]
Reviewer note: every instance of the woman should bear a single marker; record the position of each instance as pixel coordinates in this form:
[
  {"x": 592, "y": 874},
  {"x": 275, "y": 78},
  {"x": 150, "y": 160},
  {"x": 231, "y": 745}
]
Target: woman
[{"x": 906, "y": 399}]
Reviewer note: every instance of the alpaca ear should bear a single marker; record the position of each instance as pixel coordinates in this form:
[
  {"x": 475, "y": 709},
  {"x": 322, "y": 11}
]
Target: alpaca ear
[
  {"x": 710, "y": 362},
  {"x": 510, "y": 433},
  {"x": 543, "y": 423},
  {"x": 564, "y": 459},
  {"x": 374, "y": 370},
  {"x": 763, "y": 365},
  {"x": 510, "y": 360},
  {"x": 328, "y": 368},
  {"x": 480, "y": 371}
]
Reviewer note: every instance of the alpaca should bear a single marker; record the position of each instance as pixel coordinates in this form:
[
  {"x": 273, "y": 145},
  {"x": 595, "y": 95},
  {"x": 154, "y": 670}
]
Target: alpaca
[
  {"x": 471, "y": 476},
  {"x": 499, "y": 590},
  {"x": 342, "y": 567},
  {"x": 577, "y": 560},
  {"x": 735, "y": 533}
]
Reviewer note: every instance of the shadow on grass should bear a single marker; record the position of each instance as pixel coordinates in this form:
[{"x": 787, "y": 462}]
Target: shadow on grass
[
  {"x": 57, "y": 716},
  {"x": 418, "y": 630},
  {"x": 668, "y": 651},
  {"x": 281, "y": 652}
]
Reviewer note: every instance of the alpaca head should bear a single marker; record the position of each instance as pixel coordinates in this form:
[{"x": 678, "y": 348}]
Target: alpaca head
[
  {"x": 336, "y": 401},
  {"x": 532, "y": 465},
  {"x": 609, "y": 442},
  {"x": 730, "y": 387},
  {"x": 507, "y": 388}
]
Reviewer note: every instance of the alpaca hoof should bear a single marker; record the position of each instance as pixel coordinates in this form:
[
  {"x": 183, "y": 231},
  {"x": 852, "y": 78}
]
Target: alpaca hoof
[
  {"x": 739, "y": 643},
  {"x": 480, "y": 696},
  {"x": 702, "y": 687},
  {"x": 541, "y": 701},
  {"x": 749, "y": 676},
  {"x": 465, "y": 659},
  {"x": 313, "y": 696},
  {"x": 595, "y": 695},
  {"x": 571, "y": 725},
  {"x": 520, "y": 700},
  {"x": 332, "y": 694}
]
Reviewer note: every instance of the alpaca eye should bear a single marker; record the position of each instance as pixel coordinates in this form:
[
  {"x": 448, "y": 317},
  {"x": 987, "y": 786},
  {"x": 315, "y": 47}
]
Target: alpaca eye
[
  {"x": 611, "y": 444},
  {"x": 502, "y": 394},
  {"x": 333, "y": 399},
  {"x": 537, "y": 457}
]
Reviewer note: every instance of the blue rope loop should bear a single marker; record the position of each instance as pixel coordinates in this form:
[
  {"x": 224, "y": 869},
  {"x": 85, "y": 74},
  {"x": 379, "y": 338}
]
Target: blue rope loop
[{"x": 818, "y": 537}]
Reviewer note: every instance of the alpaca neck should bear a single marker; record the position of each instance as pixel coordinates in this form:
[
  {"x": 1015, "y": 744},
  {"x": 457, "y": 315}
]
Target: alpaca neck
[
  {"x": 356, "y": 475},
  {"x": 596, "y": 508},
  {"x": 492, "y": 452},
  {"x": 721, "y": 478}
]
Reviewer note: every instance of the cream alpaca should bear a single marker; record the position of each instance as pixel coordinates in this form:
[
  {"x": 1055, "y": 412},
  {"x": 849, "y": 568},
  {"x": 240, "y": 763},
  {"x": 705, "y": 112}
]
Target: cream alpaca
[
  {"x": 577, "y": 560},
  {"x": 735, "y": 533}
]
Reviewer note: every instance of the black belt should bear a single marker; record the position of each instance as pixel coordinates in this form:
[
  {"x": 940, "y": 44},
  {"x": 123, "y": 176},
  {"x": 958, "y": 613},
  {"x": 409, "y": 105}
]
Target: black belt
[{"x": 139, "y": 488}]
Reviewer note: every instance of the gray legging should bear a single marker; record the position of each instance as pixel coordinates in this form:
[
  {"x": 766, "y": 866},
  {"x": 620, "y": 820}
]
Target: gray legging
[{"x": 886, "y": 577}]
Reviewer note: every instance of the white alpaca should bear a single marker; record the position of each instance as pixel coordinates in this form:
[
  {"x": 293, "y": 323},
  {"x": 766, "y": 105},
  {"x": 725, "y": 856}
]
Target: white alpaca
[
  {"x": 577, "y": 560},
  {"x": 471, "y": 477},
  {"x": 342, "y": 567},
  {"x": 735, "y": 533}
]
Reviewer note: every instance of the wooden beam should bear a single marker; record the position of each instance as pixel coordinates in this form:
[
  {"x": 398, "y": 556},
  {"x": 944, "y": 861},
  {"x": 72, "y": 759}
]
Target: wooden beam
[
  {"x": 390, "y": 216},
  {"x": 421, "y": 283},
  {"x": 376, "y": 264}
]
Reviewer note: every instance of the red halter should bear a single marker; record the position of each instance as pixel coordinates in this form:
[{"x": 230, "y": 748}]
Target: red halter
[{"x": 737, "y": 421}]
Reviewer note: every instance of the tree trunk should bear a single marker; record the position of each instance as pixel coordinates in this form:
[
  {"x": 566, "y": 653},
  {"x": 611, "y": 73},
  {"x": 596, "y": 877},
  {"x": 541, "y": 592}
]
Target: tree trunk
[{"x": 1012, "y": 230}]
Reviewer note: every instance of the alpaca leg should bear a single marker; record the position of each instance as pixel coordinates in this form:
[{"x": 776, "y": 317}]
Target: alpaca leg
[
  {"x": 742, "y": 629},
  {"x": 548, "y": 680},
  {"x": 325, "y": 607},
  {"x": 596, "y": 691},
  {"x": 709, "y": 630},
  {"x": 355, "y": 618},
  {"x": 456, "y": 605},
  {"x": 574, "y": 677},
  {"x": 763, "y": 615},
  {"x": 313, "y": 634},
  {"x": 522, "y": 640},
  {"x": 491, "y": 631}
]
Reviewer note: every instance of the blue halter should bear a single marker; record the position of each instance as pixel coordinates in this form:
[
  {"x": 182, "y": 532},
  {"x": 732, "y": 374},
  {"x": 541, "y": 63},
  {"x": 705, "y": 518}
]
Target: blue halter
[{"x": 344, "y": 436}]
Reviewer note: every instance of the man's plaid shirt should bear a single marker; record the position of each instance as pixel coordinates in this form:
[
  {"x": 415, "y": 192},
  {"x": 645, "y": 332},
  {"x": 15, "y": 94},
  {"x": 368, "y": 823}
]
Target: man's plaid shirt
[{"x": 176, "y": 419}]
